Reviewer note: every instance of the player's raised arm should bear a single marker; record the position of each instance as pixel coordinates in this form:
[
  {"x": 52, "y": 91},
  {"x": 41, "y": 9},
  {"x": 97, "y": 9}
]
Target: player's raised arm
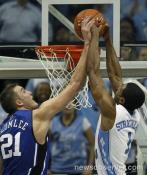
[
  {"x": 49, "y": 108},
  {"x": 100, "y": 94},
  {"x": 93, "y": 65},
  {"x": 112, "y": 62}
]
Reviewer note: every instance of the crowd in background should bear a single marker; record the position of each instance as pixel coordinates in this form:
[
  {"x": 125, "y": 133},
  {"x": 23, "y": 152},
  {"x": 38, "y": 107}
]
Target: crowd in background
[{"x": 20, "y": 22}]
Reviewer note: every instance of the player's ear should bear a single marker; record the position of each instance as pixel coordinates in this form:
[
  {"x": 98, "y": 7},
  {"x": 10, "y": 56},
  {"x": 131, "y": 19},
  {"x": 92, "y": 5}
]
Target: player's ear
[
  {"x": 18, "y": 102},
  {"x": 122, "y": 100}
]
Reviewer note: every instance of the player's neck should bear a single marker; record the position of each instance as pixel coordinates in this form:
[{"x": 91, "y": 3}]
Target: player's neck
[
  {"x": 67, "y": 119},
  {"x": 22, "y": 108}
]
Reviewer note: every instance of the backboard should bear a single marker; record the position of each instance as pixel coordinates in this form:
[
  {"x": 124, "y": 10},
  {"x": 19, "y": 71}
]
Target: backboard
[
  {"x": 30, "y": 67},
  {"x": 47, "y": 6}
]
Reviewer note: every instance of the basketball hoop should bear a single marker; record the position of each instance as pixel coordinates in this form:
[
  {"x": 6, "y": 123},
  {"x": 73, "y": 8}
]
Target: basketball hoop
[{"x": 59, "y": 62}]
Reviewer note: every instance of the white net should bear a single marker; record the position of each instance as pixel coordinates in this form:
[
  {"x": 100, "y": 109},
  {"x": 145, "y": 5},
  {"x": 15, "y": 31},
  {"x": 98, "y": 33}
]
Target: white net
[{"x": 59, "y": 71}]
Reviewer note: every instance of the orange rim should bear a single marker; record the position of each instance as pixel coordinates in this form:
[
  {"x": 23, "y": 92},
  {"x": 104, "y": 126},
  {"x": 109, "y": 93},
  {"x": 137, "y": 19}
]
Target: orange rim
[{"x": 61, "y": 50}]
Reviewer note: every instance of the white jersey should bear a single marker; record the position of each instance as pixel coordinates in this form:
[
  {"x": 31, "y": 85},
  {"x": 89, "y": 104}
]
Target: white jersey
[{"x": 112, "y": 147}]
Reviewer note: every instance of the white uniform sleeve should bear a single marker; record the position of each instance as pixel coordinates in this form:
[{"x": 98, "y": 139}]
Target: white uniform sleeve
[{"x": 86, "y": 124}]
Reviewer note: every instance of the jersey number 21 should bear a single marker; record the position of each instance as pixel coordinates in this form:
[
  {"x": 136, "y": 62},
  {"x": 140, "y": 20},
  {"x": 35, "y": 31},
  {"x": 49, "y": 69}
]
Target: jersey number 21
[{"x": 6, "y": 147}]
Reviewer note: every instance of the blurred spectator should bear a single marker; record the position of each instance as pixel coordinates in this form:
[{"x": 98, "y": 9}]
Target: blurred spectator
[
  {"x": 62, "y": 35},
  {"x": 140, "y": 20},
  {"x": 131, "y": 163},
  {"x": 128, "y": 54},
  {"x": 3, "y": 114},
  {"x": 32, "y": 83},
  {"x": 128, "y": 31},
  {"x": 125, "y": 53},
  {"x": 142, "y": 54},
  {"x": 72, "y": 142},
  {"x": 129, "y": 8},
  {"x": 145, "y": 29},
  {"x": 20, "y": 21},
  {"x": 73, "y": 37},
  {"x": 42, "y": 92}
]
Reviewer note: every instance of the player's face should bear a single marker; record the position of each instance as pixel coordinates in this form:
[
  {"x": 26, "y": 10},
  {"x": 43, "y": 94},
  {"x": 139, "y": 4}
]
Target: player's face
[
  {"x": 43, "y": 93},
  {"x": 118, "y": 96},
  {"x": 69, "y": 110},
  {"x": 24, "y": 98}
]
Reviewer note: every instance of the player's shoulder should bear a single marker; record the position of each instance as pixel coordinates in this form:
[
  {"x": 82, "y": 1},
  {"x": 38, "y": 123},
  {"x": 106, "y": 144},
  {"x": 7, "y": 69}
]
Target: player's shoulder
[
  {"x": 120, "y": 108},
  {"x": 25, "y": 115},
  {"x": 121, "y": 113}
]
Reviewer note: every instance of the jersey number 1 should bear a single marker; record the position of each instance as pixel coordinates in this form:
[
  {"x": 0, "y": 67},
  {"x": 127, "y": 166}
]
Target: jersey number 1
[{"x": 7, "y": 152}]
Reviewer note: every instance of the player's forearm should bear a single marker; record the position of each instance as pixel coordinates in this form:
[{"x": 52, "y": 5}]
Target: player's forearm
[
  {"x": 80, "y": 73},
  {"x": 113, "y": 66},
  {"x": 96, "y": 82},
  {"x": 93, "y": 67},
  {"x": 93, "y": 61}
]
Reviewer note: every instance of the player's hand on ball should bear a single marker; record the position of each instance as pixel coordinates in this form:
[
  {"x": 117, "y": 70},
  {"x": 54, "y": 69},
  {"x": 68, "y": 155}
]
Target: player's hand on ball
[
  {"x": 86, "y": 25},
  {"x": 97, "y": 17},
  {"x": 96, "y": 31}
]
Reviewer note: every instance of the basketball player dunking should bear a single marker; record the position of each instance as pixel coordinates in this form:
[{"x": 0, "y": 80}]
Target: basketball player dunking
[
  {"x": 119, "y": 116},
  {"x": 24, "y": 146}
]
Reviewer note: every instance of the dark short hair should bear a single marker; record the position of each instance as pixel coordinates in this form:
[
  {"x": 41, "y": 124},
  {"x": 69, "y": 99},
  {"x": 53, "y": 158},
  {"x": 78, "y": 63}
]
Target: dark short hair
[
  {"x": 35, "y": 95},
  {"x": 7, "y": 99},
  {"x": 134, "y": 96}
]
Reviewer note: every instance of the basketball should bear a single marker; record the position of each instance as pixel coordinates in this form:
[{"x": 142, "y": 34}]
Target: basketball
[{"x": 85, "y": 13}]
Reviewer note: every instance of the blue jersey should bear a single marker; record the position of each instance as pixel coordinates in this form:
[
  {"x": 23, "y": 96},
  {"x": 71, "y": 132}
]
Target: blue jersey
[
  {"x": 69, "y": 145},
  {"x": 21, "y": 153}
]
